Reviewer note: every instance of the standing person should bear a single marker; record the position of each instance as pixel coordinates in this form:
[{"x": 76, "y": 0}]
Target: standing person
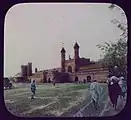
[
  {"x": 95, "y": 90},
  {"x": 122, "y": 84},
  {"x": 114, "y": 91},
  {"x": 33, "y": 89},
  {"x": 84, "y": 81},
  {"x": 110, "y": 90},
  {"x": 54, "y": 81}
]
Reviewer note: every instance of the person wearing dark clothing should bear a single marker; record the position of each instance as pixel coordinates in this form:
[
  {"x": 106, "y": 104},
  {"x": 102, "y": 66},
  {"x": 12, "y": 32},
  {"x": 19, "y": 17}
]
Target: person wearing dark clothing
[
  {"x": 84, "y": 81},
  {"x": 114, "y": 90},
  {"x": 54, "y": 81},
  {"x": 33, "y": 89}
]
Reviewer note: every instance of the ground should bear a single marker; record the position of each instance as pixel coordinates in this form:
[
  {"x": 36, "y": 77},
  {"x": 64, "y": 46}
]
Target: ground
[{"x": 66, "y": 100}]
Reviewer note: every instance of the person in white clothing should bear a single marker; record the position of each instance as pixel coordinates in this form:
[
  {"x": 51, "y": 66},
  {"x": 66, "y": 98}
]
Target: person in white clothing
[
  {"x": 95, "y": 90},
  {"x": 122, "y": 84}
]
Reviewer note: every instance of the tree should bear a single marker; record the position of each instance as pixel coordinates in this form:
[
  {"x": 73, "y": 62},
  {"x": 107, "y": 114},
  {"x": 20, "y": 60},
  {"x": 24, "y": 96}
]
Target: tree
[{"x": 115, "y": 54}]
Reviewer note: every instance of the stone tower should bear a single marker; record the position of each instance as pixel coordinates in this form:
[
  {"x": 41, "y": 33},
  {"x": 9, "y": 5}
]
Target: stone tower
[
  {"x": 24, "y": 70},
  {"x": 36, "y": 70},
  {"x": 63, "y": 59},
  {"x": 29, "y": 69},
  {"x": 76, "y": 56}
]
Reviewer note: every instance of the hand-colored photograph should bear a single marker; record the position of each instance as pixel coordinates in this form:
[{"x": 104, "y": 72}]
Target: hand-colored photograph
[{"x": 65, "y": 60}]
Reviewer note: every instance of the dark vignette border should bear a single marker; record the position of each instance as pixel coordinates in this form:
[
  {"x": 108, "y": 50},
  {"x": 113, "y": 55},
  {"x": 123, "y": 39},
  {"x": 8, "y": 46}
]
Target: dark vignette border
[{"x": 6, "y": 5}]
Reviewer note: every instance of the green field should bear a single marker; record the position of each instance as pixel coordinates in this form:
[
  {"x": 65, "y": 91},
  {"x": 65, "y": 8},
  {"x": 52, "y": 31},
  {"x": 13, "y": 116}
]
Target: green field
[{"x": 59, "y": 100}]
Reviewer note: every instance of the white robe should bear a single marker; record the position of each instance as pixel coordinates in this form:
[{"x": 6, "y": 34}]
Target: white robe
[
  {"x": 122, "y": 84},
  {"x": 95, "y": 90}
]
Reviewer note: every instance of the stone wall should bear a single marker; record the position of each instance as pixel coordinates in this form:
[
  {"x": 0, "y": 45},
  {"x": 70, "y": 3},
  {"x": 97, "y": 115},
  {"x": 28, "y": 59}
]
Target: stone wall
[{"x": 38, "y": 76}]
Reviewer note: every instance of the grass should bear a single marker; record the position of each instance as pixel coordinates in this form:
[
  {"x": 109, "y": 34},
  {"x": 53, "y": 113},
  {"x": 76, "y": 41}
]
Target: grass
[
  {"x": 79, "y": 87},
  {"x": 50, "y": 100},
  {"x": 63, "y": 94}
]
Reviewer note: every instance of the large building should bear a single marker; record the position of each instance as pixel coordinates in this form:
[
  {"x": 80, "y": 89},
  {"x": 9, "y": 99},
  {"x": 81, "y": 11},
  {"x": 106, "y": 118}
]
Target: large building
[{"x": 76, "y": 68}]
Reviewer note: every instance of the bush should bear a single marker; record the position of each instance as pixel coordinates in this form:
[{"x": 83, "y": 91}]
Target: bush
[{"x": 7, "y": 83}]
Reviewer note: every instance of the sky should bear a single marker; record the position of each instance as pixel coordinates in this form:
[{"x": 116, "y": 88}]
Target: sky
[{"x": 35, "y": 33}]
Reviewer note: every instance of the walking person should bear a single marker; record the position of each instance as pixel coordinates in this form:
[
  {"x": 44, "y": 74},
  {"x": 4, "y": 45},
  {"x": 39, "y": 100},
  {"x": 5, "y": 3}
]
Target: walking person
[
  {"x": 114, "y": 91},
  {"x": 123, "y": 86},
  {"x": 95, "y": 90},
  {"x": 33, "y": 89}
]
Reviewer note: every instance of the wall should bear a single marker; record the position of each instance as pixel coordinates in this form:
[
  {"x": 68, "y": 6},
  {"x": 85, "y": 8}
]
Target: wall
[
  {"x": 38, "y": 76},
  {"x": 99, "y": 75},
  {"x": 69, "y": 63},
  {"x": 50, "y": 75}
]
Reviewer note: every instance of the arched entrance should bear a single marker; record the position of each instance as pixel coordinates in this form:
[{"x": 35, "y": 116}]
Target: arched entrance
[
  {"x": 76, "y": 79},
  {"x": 45, "y": 78},
  {"x": 88, "y": 78},
  {"x": 49, "y": 81},
  {"x": 70, "y": 69}
]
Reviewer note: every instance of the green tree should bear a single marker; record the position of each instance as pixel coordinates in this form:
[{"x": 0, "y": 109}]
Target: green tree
[{"x": 115, "y": 54}]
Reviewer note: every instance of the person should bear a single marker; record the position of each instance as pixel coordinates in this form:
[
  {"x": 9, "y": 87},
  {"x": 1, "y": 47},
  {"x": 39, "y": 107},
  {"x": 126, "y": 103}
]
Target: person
[
  {"x": 122, "y": 84},
  {"x": 54, "y": 81},
  {"x": 49, "y": 80},
  {"x": 84, "y": 81},
  {"x": 114, "y": 90},
  {"x": 33, "y": 89},
  {"x": 95, "y": 90}
]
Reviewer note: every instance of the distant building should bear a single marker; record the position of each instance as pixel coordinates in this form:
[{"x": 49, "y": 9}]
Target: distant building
[
  {"x": 75, "y": 68},
  {"x": 26, "y": 70},
  {"x": 18, "y": 77}
]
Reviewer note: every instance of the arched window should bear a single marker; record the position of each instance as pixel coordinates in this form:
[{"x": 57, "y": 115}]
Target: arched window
[{"x": 70, "y": 69}]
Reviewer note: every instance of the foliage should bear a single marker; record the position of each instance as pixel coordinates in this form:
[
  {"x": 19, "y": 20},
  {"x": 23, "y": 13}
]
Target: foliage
[
  {"x": 7, "y": 83},
  {"x": 115, "y": 54}
]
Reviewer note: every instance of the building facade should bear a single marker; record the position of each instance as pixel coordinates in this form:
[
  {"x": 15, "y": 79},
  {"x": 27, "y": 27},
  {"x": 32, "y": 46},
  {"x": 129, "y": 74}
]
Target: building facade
[
  {"x": 76, "y": 68},
  {"x": 82, "y": 68}
]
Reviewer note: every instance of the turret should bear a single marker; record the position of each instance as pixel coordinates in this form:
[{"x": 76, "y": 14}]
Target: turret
[
  {"x": 63, "y": 59},
  {"x": 76, "y": 56},
  {"x": 76, "y": 51}
]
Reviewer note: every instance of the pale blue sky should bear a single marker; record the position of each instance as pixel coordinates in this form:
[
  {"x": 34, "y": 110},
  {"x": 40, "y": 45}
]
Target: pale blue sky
[{"x": 34, "y": 33}]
